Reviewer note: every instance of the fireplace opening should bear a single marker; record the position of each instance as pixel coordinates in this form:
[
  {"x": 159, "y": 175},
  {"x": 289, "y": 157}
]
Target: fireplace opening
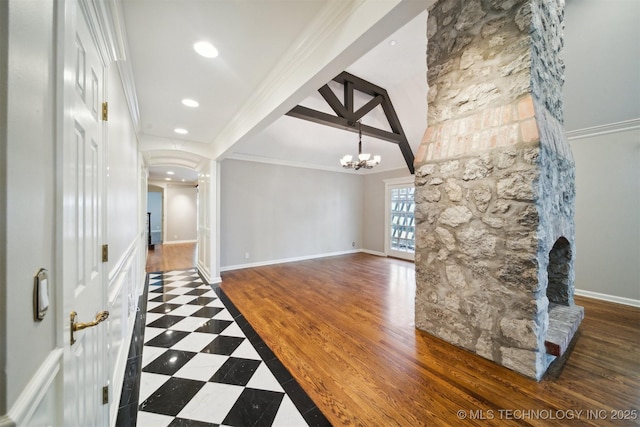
[
  {"x": 564, "y": 316},
  {"x": 558, "y": 272}
]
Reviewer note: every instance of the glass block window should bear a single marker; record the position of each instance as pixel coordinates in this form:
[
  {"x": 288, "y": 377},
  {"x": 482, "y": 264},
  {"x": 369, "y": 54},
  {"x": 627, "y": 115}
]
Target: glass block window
[{"x": 402, "y": 221}]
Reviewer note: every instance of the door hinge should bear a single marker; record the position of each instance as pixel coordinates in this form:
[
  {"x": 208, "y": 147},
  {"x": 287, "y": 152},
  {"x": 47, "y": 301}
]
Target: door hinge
[
  {"x": 105, "y": 253},
  {"x": 105, "y": 395},
  {"x": 105, "y": 111}
]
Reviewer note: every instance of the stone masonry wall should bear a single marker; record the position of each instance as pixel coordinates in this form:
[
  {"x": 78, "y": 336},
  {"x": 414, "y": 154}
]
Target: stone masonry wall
[
  {"x": 556, "y": 206},
  {"x": 483, "y": 53},
  {"x": 494, "y": 180},
  {"x": 547, "y": 66},
  {"x": 478, "y": 55}
]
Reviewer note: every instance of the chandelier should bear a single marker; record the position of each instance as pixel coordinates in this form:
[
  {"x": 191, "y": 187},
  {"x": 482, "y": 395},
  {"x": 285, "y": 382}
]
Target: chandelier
[{"x": 364, "y": 159}]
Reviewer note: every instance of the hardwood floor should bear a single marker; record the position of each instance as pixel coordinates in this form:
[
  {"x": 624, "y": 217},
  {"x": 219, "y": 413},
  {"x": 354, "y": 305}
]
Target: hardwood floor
[
  {"x": 344, "y": 328},
  {"x": 173, "y": 256}
]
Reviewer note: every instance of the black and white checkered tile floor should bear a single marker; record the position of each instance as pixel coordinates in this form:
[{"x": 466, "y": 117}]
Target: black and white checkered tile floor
[{"x": 202, "y": 364}]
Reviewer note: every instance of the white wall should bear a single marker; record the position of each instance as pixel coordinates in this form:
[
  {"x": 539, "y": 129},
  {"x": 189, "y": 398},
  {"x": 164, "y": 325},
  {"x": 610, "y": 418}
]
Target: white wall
[
  {"x": 273, "y": 213},
  {"x": 29, "y": 191},
  {"x": 608, "y": 214},
  {"x": 4, "y": 39},
  {"x": 602, "y": 57},
  {"x": 180, "y": 213},
  {"x": 125, "y": 233},
  {"x": 602, "y": 105},
  {"x": 122, "y": 163}
]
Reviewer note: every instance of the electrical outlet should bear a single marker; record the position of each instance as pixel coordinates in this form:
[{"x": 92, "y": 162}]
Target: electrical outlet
[
  {"x": 246, "y": 255},
  {"x": 353, "y": 244}
]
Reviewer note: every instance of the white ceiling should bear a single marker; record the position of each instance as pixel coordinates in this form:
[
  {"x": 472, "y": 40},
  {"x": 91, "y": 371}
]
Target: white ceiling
[
  {"x": 173, "y": 174},
  {"x": 252, "y": 37},
  {"x": 256, "y": 37},
  {"x": 400, "y": 68}
]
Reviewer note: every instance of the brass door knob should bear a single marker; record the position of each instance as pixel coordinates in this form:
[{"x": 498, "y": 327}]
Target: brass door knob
[{"x": 78, "y": 326}]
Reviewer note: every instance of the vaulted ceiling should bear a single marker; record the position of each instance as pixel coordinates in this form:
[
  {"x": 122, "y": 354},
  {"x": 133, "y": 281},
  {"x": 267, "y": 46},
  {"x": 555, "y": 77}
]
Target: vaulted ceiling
[{"x": 273, "y": 55}]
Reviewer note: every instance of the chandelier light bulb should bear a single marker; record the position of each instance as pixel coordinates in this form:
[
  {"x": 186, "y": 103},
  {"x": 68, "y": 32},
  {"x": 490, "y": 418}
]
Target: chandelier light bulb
[{"x": 364, "y": 159}]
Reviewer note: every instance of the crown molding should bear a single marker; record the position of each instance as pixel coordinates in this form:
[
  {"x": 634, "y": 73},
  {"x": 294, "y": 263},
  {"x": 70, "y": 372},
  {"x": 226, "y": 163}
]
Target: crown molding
[
  {"x": 303, "y": 165},
  {"x": 282, "y": 162},
  {"x": 623, "y": 126}
]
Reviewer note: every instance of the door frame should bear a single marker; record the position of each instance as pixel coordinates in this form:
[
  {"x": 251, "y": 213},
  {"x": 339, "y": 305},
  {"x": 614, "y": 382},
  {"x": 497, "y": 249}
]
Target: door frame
[{"x": 390, "y": 184}]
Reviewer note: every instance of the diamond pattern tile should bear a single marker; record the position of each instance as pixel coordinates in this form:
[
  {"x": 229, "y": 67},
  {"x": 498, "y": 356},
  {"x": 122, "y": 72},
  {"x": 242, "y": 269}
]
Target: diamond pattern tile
[{"x": 199, "y": 364}]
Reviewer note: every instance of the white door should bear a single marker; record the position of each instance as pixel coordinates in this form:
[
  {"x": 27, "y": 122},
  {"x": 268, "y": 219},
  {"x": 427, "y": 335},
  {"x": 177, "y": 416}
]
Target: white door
[
  {"x": 81, "y": 239},
  {"x": 399, "y": 218}
]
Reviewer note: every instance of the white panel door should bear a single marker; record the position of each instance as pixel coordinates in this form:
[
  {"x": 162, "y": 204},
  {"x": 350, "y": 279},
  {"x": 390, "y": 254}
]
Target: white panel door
[{"x": 82, "y": 163}]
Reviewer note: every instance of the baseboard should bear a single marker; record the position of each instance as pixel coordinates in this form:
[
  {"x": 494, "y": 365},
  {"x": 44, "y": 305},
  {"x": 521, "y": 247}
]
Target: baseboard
[
  {"x": 41, "y": 383},
  {"x": 123, "y": 289},
  {"x": 5, "y": 421},
  {"x": 117, "y": 379},
  {"x": 173, "y": 242},
  {"x": 206, "y": 275},
  {"x": 609, "y": 298},
  {"x": 286, "y": 260},
  {"x": 370, "y": 252},
  {"x": 204, "y": 271}
]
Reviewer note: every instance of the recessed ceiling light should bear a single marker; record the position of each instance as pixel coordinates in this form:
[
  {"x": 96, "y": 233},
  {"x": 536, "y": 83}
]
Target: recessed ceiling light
[
  {"x": 183, "y": 180},
  {"x": 190, "y": 103},
  {"x": 206, "y": 49},
  {"x": 392, "y": 42},
  {"x": 181, "y": 131},
  {"x": 170, "y": 172},
  {"x": 167, "y": 179}
]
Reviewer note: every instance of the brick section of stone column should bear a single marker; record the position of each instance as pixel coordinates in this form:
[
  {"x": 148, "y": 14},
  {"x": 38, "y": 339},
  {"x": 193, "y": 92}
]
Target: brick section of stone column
[
  {"x": 493, "y": 127},
  {"x": 494, "y": 180}
]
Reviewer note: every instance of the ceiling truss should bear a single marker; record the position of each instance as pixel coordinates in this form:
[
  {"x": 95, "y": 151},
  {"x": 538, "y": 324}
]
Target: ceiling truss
[{"x": 346, "y": 118}]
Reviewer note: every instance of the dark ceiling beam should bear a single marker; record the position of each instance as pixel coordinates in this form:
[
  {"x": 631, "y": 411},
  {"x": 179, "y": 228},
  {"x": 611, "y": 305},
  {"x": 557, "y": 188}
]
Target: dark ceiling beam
[
  {"x": 346, "y": 118},
  {"x": 366, "y": 108},
  {"x": 333, "y": 101},
  {"x": 359, "y": 84},
  {"x": 326, "y": 119},
  {"x": 396, "y": 127},
  {"x": 348, "y": 96}
]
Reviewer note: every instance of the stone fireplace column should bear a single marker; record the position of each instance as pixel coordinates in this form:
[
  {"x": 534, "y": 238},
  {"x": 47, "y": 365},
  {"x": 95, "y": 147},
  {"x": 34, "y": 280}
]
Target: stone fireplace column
[{"x": 495, "y": 237}]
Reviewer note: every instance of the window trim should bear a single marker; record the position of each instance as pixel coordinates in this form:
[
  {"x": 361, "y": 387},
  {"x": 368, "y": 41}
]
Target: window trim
[{"x": 390, "y": 184}]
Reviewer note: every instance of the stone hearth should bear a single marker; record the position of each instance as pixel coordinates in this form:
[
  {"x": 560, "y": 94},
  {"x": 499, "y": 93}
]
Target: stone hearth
[{"x": 495, "y": 236}]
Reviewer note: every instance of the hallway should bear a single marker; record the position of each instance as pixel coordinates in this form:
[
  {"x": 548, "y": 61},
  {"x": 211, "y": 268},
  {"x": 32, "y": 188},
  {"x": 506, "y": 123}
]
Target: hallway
[
  {"x": 195, "y": 361},
  {"x": 173, "y": 256}
]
